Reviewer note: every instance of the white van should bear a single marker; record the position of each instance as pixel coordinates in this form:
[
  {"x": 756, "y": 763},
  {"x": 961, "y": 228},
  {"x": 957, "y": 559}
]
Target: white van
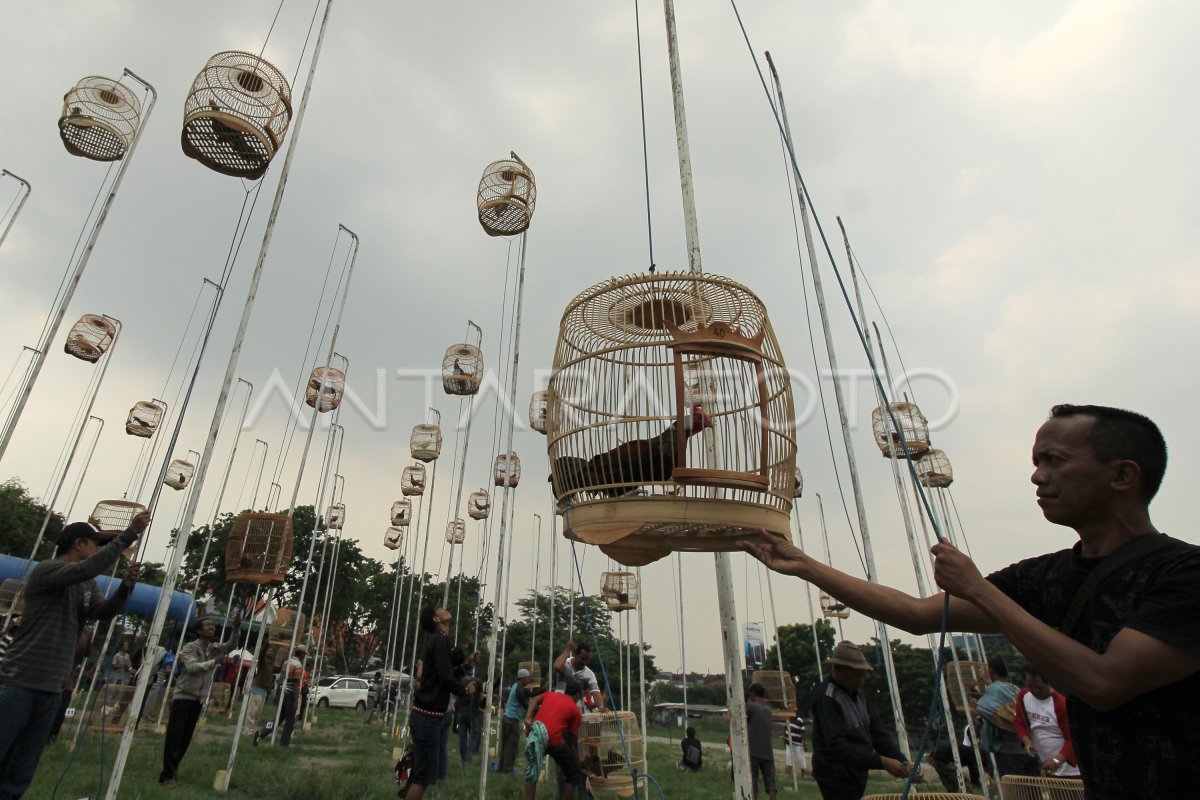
[{"x": 341, "y": 693}]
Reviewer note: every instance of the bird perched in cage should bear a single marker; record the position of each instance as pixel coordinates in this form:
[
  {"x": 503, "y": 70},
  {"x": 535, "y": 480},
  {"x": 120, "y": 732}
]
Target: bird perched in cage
[{"x": 638, "y": 462}]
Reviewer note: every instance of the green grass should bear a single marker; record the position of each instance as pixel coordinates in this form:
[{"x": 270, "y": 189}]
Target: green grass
[{"x": 339, "y": 759}]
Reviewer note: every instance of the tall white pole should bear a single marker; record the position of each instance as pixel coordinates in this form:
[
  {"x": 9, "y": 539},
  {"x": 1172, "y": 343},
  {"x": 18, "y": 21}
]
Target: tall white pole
[
  {"x": 462, "y": 479},
  {"x": 537, "y": 571},
  {"x": 26, "y": 191},
  {"x": 553, "y": 581}
]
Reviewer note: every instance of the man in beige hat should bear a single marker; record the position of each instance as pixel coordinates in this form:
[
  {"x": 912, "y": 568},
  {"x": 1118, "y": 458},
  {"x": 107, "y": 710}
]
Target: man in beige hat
[{"x": 849, "y": 739}]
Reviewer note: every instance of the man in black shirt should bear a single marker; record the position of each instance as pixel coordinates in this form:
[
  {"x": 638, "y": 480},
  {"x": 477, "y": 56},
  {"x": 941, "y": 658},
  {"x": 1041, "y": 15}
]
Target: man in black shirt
[
  {"x": 693, "y": 752},
  {"x": 1129, "y": 660},
  {"x": 431, "y": 699}
]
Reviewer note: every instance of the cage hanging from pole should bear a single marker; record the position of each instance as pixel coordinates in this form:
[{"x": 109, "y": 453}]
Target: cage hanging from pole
[
  {"x": 934, "y": 470},
  {"x": 537, "y": 410},
  {"x": 179, "y": 474},
  {"x": 832, "y": 607},
  {"x": 425, "y": 443},
  {"x": 606, "y": 740},
  {"x": 336, "y": 517},
  {"x": 506, "y": 470},
  {"x": 643, "y": 364},
  {"x": 412, "y": 480},
  {"x": 393, "y": 538},
  {"x": 12, "y": 599},
  {"x": 780, "y": 689},
  {"x": 237, "y": 114},
  {"x": 114, "y": 516},
  {"x": 479, "y": 505},
  {"x": 912, "y": 424},
  {"x": 144, "y": 418},
  {"x": 506, "y": 197},
  {"x": 1028, "y": 787},
  {"x": 111, "y": 709},
  {"x": 462, "y": 369},
  {"x": 279, "y": 633},
  {"x": 619, "y": 590},
  {"x": 969, "y": 677},
  {"x": 401, "y": 513},
  {"x": 456, "y": 531},
  {"x": 90, "y": 337},
  {"x": 100, "y": 118},
  {"x": 535, "y": 671},
  {"x": 798, "y": 486},
  {"x": 330, "y": 384},
  {"x": 259, "y": 549}
]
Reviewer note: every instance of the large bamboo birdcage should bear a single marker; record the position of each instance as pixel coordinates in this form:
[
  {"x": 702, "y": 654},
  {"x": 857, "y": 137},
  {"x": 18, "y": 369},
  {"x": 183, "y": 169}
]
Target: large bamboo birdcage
[
  {"x": 279, "y": 634},
  {"x": 425, "y": 443},
  {"x": 100, "y": 118},
  {"x": 90, "y": 337},
  {"x": 934, "y": 470},
  {"x": 144, "y": 418},
  {"x": 1028, "y": 787},
  {"x": 412, "y": 480},
  {"x": 393, "y": 537},
  {"x": 114, "y": 516},
  {"x": 912, "y": 424},
  {"x": 330, "y": 384},
  {"x": 259, "y": 549},
  {"x": 506, "y": 197},
  {"x": 831, "y": 607},
  {"x": 179, "y": 474},
  {"x": 969, "y": 677},
  {"x": 111, "y": 709},
  {"x": 479, "y": 505},
  {"x": 507, "y": 469},
  {"x": 337, "y": 517},
  {"x": 456, "y": 531},
  {"x": 537, "y": 410},
  {"x": 462, "y": 369},
  {"x": 236, "y": 115},
  {"x": 12, "y": 599},
  {"x": 401, "y": 513},
  {"x": 670, "y": 424},
  {"x": 606, "y": 738},
  {"x": 925, "y": 796},
  {"x": 798, "y": 486},
  {"x": 619, "y": 590},
  {"x": 780, "y": 689},
  {"x": 535, "y": 671}
]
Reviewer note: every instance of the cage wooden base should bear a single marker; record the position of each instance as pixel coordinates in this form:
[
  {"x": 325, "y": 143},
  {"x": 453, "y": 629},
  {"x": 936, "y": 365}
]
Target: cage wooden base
[{"x": 1022, "y": 787}]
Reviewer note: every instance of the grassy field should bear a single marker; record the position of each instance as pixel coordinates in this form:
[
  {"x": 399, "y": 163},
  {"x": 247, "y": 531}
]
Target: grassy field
[{"x": 339, "y": 759}]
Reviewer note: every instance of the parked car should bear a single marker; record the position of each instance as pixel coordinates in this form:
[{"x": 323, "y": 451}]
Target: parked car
[{"x": 341, "y": 692}]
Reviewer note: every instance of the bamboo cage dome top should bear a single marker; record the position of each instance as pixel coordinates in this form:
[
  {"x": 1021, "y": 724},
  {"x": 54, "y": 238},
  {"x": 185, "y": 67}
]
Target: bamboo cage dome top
[
  {"x": 934, "y": 470},
  {"x": 1028, "y": 787},
  {"x": 479, "y": 505},
  {"x": 619, "y": 590},
  {"x": 259, "y": 549},
  {"x": 90, "y": 337},
  {"x": 393, "y": 538},
  {"x": 798, "y": 488},
  {"x": 605, "y": 738},
  {"x": 456, "y": 531},
  {"x": 507, "y": 469},
  {"x": 644, "y": 363},
  {"x": 144, "y": 418},
  {"x": 506, "y": 198},
  {"x": 780, "y": 689},
  {"x": 236, "y": 115},
  {"x": 337, "y": 516},
  {"x": 912, "y": 424},
  {"x": 412, "y": 480},
  {"x": 425, "y": 444},
  {"x": 100, "y": 118},
  {"x": 401, "y": 512},
  {"x": 330, "y": 384},
  {"x": 179, "y": 473},
  {"x": 537, "y": 410},
  {"x": 462, "y": 369}
]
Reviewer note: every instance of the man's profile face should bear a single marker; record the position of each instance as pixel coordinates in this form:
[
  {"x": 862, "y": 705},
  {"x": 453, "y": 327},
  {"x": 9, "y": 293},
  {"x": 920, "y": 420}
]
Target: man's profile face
[
  {"x": 1037, "y": 686},
  {"x": 849, "y": 678},
  {"x": 443, "y": 617},
  {"x": 207, "y": 629},
  {"x": 1072, "y": 484}
]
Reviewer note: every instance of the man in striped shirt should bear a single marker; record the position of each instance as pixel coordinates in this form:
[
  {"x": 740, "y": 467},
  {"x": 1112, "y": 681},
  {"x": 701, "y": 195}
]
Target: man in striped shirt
[{"x": 60, "y": 598}]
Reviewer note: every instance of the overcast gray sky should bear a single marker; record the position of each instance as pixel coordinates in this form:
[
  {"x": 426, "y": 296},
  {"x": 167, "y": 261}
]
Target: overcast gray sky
[{"x": 1018, "y": 180}]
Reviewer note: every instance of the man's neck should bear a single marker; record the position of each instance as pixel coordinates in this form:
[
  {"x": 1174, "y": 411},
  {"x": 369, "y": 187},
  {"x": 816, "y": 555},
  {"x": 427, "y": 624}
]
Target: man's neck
[{"x": 1102, "y": 538}]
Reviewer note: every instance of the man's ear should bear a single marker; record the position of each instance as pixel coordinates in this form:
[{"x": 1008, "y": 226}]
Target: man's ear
[{"x": 1126, "y": 476}]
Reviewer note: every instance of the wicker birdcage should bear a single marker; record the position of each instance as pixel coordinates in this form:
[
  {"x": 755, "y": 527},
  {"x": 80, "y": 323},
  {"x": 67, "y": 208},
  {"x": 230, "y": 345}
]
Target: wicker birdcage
[
  {"x": 479, "y": 505},
  {"x": 507, "y": 469},
  {"x": 537, "y": 410},
  {"x": 535, "y": 671},
  {"x": 279, "y": 634},
  {"x": 179, "y": 474},
  {"x": 925, "y": 796},
  {"x": 100, "y": 118},
  {"x": 114, "y": 516},
  {"x": 401, "y": 513},
  {"x": 934, "y": 470},
  {"x": 144, "y": 418},
  {"x": 1028, "y": 787},
  {"x": 780, "y": 689},
  {"x": 337, "y": 517},
  {"x": 610, "y": 746},
  {"x": 969, "y": 677},
  {"x": 456, "y": 531},
  {"x": 259, "y": 548},
  {"x": 12, "y": 598},
  {"x": 798, "y": 487},
  {"x": 462, "y": 369},
  {"x": 330, "y": 384},
  {"x": 912, "y": 424},
  {"x": 220, "y": 699},
  {"x": 425, "y": 444},
  {"x": 506, "y": 198},
  {"x": 90, "y": 338},
  {"x": 236, "y": 115},
  {"x": 393, "y": 538},
  {"x": 831, "y": 607},
  {"x": 619, "y": 590},
  {"x": 626, "y": 463},
  {"x": 111, "y": 708},
  {"x": 412, "y": 481}
]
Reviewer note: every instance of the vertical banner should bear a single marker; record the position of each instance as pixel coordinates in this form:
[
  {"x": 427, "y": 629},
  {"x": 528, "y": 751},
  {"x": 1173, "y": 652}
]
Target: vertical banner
[{"x": 755, "y": 646}]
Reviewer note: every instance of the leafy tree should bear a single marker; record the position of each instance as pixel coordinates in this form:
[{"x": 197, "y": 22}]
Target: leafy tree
[
  {"x": 799, "y": 656},
  {"x": 23, "y": 514}
]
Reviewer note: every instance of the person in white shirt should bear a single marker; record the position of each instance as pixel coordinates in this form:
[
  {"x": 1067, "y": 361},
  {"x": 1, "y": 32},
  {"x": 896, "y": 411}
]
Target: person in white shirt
[
  {"x": 1041, "y": 722},
  {"x": 573, "y": 663}
]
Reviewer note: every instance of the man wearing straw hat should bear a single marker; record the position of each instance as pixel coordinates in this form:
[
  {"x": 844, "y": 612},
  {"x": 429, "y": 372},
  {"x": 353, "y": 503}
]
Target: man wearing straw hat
[{"x": 849, "y": 739}]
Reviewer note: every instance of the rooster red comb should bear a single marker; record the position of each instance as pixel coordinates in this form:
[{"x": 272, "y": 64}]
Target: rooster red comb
[{"x": 699, "y": 420}]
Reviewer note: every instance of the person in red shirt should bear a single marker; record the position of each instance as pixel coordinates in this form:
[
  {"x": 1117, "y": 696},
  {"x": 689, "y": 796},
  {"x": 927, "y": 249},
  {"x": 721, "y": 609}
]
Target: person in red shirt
[
  {"x": 551, "y": 723},
  {"x": 1042, "y": 726}
]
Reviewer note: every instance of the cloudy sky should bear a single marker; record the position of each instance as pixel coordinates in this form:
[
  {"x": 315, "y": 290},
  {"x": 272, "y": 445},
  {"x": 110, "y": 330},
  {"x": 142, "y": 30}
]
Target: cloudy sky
[{"x": 1016, "y": 180}]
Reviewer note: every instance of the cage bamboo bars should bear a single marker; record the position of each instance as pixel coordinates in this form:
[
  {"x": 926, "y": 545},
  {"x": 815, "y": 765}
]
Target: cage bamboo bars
[
  {"x": 425, "y": 443},
  {"x": 934, "y": 470},
  {"x": 144, "y": 418},
  {"x": 456, "y": 531},
  {"x": 462, "y": 369},
  {"x": 334, "y": 382},
  {"x": 619, "y": 590},
  {"x": 506, "y": 198},
  {"x": 336, "y": 517},
  {"x": 912, "y": 424},
  {"x": 412, "y": 481},
  {"x": 537, "y": 410},
  {"x": 179, "y": 474},
  {"x": 100, "y": 118},
  {"x": 90, "y": 337},
  {"x": 606, "y": 740},
  {"x": 393, "y": 538},
  {"x": 259, "y": 549},
  {"x": 479, "y": 505},
  {"x": 506, "y": 468},
  {"x": 401, "y": 513},
  {"x": 1028, "y": 787}
]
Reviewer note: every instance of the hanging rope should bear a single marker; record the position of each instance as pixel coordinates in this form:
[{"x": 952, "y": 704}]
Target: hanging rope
[{"x": 637, "y": 24}]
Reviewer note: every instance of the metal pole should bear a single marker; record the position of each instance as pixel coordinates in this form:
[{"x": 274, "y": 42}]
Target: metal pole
[
  {"x": 537, "y": 565},
  {"x": 783, "y": 690},
  {"x": 28, "y": 190},
  {"x": 258, "y": 480},
  {"x": 812, "y": 614},
  {"x": 682, "y": 649},
  {"x": 462, "y": 472},
  {"x": 642, "y": 669},
  {"x": 554, "y": 581}
]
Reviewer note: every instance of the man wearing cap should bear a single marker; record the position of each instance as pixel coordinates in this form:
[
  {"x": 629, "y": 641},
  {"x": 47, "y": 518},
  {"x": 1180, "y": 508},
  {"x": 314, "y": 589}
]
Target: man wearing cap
[
  {"x": 849, "y": 739},
  {"x": 514, "y": 712},
  {"x": 60, "y": 598}
]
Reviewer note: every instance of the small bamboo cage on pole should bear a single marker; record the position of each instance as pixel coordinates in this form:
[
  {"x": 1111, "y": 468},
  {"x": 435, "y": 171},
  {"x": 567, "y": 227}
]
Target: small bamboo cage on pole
[
  {"x": 113, "y": 517},
  {"x": 479, "y": 505},
  {"x": 144, "y": 418},
  {"x": 912, "y": 424},
  {"x": 100, "y": 117},
  {"x": 337, "y": 517},
  {"x": 393, "y": 538},
  {"x": 412, "y": 481},
  {"x": 831, "y": 607},
  {"x": 90, "y": 337},
  {"x": 179, "y": 474},
  {"x": 401, "y": 513},
  {"x": 506, "y": 198},
  {"x": 605, "y": 739},
  {"x": 537, "y": 410},
  {"x": 456, "y": 532},
  {"x": 329, "y": 384},
  {"x": 259, "y": 549},
  {"x": 236, "y": 115},
  {"x": 619, "y": 590},
  {"x": 425, "y": 443},
  {"x": 462, "y": 369},
  {"x": 934, "y": 470},
  {"x": 506, "y": 470},
  {"x": 780, "y": 689}
]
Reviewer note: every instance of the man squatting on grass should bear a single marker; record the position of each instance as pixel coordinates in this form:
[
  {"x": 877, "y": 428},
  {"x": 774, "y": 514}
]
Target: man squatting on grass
[
  {"x": 1129, "y": 664},
  {"x": 60, "y": 598}
]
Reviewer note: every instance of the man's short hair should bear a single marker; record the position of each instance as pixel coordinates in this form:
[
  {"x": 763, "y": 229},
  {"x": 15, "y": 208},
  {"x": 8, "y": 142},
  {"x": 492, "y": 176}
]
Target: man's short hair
[
  {"x": 1033, "y": 672},
  {"x": 427, "y": 619},
  {"x": 691, "y": 733},
  {"x": 1120, "y": 435},
  {"x": 582, "y": 647},
  {"x": 998, "y": 666},
  {"x": 757, "y": 690},
  {"x": 572, "y": 687}
]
